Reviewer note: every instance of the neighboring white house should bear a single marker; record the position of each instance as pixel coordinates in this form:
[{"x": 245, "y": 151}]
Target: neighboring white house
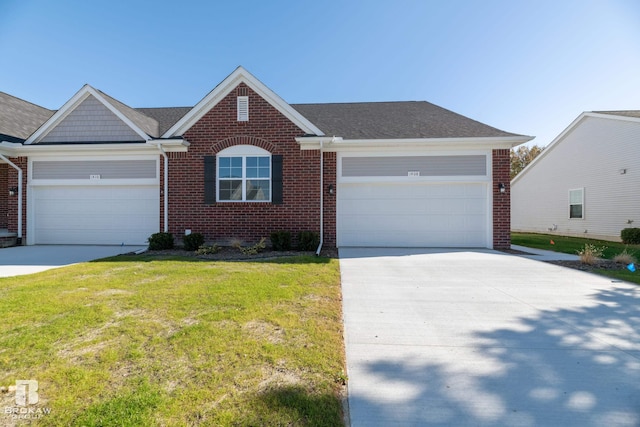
[{"x": 586, "y": 182}]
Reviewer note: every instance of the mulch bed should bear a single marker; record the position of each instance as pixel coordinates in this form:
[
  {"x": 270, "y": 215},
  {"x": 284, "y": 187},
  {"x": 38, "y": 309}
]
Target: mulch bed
[
  {"x": 579, "y": 265},
  {"x": 234, "y": 254}
]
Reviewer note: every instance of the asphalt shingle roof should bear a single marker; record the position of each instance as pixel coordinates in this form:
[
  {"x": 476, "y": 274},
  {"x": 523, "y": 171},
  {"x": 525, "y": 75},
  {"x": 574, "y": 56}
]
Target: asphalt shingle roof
[
  {"x": 19, "y": 119},
  {"x": 362, "y": 120},
  {"x": 149, "y": 125},
  {"x": 394, "y": 120},
  {"x": 166, "y": 117}
]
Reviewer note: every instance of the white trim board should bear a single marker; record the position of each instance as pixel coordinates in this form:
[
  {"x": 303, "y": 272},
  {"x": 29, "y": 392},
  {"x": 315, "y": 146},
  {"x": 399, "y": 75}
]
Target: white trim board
[{"x": 240, "y": 75}]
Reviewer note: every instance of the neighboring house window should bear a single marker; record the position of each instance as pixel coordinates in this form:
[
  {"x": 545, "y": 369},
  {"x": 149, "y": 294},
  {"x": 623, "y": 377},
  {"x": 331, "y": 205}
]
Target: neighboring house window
[
  {"x": 244, "y": 174},
  {"x": 576, "y": 203}
]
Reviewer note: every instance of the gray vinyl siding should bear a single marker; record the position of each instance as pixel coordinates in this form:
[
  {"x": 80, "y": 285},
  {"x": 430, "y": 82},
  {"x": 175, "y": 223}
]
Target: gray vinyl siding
[
  {"x": 590, "y": 156},
  {"x": 107, "y": 169},
  {"x": 472, "y": 165},
  {"x": 91, "y": 121}
]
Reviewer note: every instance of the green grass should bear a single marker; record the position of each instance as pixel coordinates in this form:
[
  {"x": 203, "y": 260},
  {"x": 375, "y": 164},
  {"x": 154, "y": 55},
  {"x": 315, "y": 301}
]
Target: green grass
[
  {"x": 571, "y": 245},
  {"x": 143, "y": 341}
]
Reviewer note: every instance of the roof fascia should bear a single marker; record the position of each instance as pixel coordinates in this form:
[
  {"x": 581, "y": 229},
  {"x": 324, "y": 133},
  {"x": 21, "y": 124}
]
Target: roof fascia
[
  {"x": 9, "y": 148},
  {"x": 557, "y": 140},
  {"x": 336, "y": 144},
  {"x": 240, "y": 75},
  {"x": 613, "y": 117},
  {"x": 149, "y": 147},
  {"x": 71, "y": 105}
]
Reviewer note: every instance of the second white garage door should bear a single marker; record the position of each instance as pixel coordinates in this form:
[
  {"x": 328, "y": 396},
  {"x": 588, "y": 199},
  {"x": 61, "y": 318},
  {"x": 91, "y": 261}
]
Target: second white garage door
[
  {"x": 106, "y": 215},
  {"x": 412, "y": 214}
]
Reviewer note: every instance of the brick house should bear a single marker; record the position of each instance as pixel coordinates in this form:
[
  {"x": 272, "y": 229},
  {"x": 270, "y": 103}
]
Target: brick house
[{"x": 243, "y": 163}]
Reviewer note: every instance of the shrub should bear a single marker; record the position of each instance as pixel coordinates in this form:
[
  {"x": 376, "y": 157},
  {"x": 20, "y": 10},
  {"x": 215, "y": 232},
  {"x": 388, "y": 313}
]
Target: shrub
[
  {"x": 625, "y": 257},
  {"x": 589, "y": 254},
  {"x": 160, "y": 241},
  {"x": 630, "y": 236},
  {"x": 193, "y": 241},
  {"x": 281, "y": 240},
  {"x": 234, "y": 242},
  {"x": 252, "y": 250},
  {"x": 308, "y": 240},
  {"x": 208, "y": 249}
]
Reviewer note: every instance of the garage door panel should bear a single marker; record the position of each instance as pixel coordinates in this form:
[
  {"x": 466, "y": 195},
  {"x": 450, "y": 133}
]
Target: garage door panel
[
  {"x": 95, "y": 214},
  {"x": 412, "y": 215}
]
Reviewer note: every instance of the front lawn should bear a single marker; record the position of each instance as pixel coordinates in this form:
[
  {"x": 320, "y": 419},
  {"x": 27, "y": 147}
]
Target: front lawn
[
  {"x": 143, "y": 341},
  {"x": 571, "y": 245}
]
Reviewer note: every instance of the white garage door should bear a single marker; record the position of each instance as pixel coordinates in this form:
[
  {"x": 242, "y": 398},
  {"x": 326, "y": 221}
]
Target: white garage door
[
  {"x": 106, "y": 215},
  {"x": 412, "y": 215}
]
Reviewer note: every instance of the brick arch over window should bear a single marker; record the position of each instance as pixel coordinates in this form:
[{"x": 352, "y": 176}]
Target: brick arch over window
[{"x": 242, "y": 140}]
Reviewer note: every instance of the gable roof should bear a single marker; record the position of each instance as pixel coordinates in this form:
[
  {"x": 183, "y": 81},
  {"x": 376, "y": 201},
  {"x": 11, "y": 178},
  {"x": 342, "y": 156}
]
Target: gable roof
[
  {"x": 145, "y": 127},
  {"x": 240, "y": 75},
  {"x": 624, "y": 115},
  {"x": 19, "y": 119},
  {"x": 394, "y": 120},
  {"x": 414, "y": 120},
  {"x": 149, "y": 125}
]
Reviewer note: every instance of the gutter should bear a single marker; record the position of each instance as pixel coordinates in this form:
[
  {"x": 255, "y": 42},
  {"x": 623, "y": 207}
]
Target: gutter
[
  {"x": 166, "y": 188},
  {"x": 2, "y": 157}
]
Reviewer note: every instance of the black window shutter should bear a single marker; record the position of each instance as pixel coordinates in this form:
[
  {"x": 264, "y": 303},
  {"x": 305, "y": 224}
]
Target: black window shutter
[
  {"x": 209, "y": 180},
  {"x": 276, "y": 179}
]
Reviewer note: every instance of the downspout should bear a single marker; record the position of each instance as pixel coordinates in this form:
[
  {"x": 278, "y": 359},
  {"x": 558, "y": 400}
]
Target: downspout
[
  {"x": 19, "y": 195},
  {"x": 321, "y": 200},
  {"x": 166, "y": 188}
]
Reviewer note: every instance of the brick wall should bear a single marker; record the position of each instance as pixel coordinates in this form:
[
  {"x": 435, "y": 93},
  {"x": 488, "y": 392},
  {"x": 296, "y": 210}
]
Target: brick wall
[
  {"x": 4, "y": 194},
  {"x": 501, "y": 201},
  {"x": 249, "y": 221}
]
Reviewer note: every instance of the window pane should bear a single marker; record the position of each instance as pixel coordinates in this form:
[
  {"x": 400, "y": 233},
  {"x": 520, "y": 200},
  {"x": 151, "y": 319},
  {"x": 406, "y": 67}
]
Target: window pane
[
  {"x": 230, "y": 167},
  {"x": 258, "y": 167},
  {"x": 575, "y": 197},
  {"x": 575, "y": 211},
  {"x": 258, "y": 189},
  {"x": 230, "y": 189}
]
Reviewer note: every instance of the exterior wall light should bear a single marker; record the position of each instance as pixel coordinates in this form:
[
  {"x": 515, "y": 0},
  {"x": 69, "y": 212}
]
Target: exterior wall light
[
  {"x": 331, "y": 189},
  {"x": 502, "y": 188},
  {"x": 13, "y": 191}
]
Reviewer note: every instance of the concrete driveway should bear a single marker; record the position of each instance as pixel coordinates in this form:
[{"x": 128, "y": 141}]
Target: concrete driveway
[
  {"x": 21, "y": 260},
  {"x": 481, "y": 338}
]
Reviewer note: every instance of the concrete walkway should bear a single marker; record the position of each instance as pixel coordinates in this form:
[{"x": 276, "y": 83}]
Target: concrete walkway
[
  {"x": 21, "y": 260},
  {"x": 542, "y": 255},
  {"x": 482, "y": 338}
]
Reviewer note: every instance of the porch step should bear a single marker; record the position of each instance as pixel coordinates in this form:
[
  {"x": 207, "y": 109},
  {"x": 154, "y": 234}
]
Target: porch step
[{"x": 7, "y": 239}]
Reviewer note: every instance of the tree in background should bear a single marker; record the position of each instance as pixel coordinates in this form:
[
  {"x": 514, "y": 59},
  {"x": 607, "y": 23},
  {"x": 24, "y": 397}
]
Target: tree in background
[{"x": 522, "y": 156}]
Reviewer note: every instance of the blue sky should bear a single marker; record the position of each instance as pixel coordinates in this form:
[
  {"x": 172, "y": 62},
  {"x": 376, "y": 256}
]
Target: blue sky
[{"x": 524, "y": 66}]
